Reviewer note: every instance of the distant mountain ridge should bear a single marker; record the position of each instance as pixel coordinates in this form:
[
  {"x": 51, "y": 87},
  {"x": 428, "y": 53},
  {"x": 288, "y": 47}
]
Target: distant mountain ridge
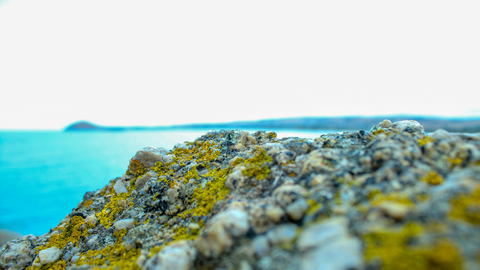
[{"x": 430, "y": 124}]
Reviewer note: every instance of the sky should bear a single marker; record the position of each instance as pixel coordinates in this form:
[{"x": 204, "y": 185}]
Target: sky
[{"x": 150, "y": 63}]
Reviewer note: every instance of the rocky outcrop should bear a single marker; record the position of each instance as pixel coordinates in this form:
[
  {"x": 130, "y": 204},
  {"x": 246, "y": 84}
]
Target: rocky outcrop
[{"x": 388, "y": 198}]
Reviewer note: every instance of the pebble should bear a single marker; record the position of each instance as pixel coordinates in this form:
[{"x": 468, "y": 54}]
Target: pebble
[
  {"x": 217, "y": 236},
  {"x": 119, "y": 187},
  {"x": 176, "y": 256},
  {"x": 49, "y": 255},
  {"x": 337, "y": 254},
  {"x": 282, "y": 234},
  {"x": 124, "y": 224},
  {"x": 321, "y": 233}
]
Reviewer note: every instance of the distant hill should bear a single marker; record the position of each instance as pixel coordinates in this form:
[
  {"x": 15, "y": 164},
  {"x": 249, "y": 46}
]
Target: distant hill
[{"x": 430, "y": 124}]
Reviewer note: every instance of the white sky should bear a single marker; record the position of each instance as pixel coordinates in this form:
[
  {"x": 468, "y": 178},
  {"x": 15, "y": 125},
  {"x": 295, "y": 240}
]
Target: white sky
[{"x": 172, "y": 62}]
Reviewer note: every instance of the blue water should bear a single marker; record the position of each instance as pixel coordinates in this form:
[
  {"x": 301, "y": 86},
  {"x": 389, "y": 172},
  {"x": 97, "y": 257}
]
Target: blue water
[{"x": 44, "y": 175}]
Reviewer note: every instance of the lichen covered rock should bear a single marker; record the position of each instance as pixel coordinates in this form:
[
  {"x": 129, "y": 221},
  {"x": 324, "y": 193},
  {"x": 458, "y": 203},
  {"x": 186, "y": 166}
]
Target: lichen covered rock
[{"x": 389, "y": 198}]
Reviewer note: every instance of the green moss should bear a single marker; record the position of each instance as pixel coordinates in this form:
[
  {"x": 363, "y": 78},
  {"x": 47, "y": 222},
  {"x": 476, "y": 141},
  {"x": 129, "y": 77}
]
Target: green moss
[{"x": 395, "y": 251}]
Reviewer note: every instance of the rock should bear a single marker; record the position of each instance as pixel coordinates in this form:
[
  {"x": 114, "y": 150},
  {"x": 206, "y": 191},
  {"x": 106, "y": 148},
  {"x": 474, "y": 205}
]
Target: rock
[
  {"x": 238, "y": 200},
  {"x": 261, "y": 246},
  {"x": 410, "y": 126},
  {"x": 120, "y": 187},
  {"x": 49, "y": 255},
  {"x": 149, "y": 155},
  {"x": 124, "y": 224},
  {"x": 218, "y": 234},
  {"x": 282, "y": 234},
  {"x": 297, "y": 209},
  {"x": 17, "y": 254},
  {"x": 322, "y": 233},
  {"x": 177, "y": 256},
  {"x": 338, "y": 254},
  {"x": 140, "y": 182}
]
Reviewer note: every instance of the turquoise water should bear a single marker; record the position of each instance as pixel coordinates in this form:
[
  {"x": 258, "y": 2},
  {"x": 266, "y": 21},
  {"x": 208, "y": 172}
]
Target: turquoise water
[{"x": 44, "y": 175}]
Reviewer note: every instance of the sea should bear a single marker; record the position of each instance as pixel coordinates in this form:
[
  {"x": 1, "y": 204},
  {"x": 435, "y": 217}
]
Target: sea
[{"x": 44, "y": 174}]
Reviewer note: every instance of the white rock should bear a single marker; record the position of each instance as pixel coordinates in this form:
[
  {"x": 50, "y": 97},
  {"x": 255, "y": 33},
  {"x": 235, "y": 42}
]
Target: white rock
[
  {"x": 217, "y": 236},
  {"x": 341, "y": 254},
  {"x": 297, "y": 209},
  {"x": 49, "y": 255},
  {"x": 119, "y": 187},
  {"x": 149, "y": 155},
  {"x": 75, "y": 258},
  {"x": 282, "y": 234},
  {"x": 140, "y": 182},
  {"x": 17, "y": 255},
  {"x": 124, "y": 224},
  {"x": 92, "y": 219},
  {"x": 286, "y": 194},
  {"x": 176, "y": 256},
  {"x": 321, "y": 233},
  {"x": 409, "y": 126},
  {"x": 236, "y": 179},
  {"x": 260, "y": 245}
]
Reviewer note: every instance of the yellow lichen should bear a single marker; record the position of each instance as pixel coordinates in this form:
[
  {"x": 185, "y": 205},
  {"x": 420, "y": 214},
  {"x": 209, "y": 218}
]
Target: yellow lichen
[
  {"x": 87, "y": 203},
  {"x": 71, "y": 233},
  {"x": 395, "y": 252},
  {"x": 118, "y": 256},
  {"x": 433, "y": 178},
  {"x": 424, "y": 141},
  {"x": 107, "y": 216},
  {"x": 136, "y": 167},
  {"x": 467, "y": 207},
  {"x": 215, "y": 190},
  {"x": 379, "y": 198},
  {"x": 257, "y": 165}
]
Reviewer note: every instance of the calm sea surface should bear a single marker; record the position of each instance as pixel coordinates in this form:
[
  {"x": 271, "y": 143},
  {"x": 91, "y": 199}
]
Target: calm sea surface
[{"x": 43, "y": 175}]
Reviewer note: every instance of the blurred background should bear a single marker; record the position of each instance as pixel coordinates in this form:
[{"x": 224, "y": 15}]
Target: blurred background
[{"x": 123, "y": 69}]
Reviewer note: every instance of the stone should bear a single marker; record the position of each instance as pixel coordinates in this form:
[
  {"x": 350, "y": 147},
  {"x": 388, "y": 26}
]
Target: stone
[
  {"x": 260, "y": 245},
  {"x": 149, "y": 155},
  {"x": 321, "y": 233},
  {"x": 217, "y": 236},
  {"x": 282, "y": 234},
  {"x": 177, "y": 256},
  {"x": 119, "y": 187},
  {"x": 49, "y": 255},
  {"x": 124, "y": 224},
  {"x": 338, "y": 254},
  {"x": 140, "y": 182},
  {"x": 17, "y": 254},
  {"x": 297, "y": 209}
]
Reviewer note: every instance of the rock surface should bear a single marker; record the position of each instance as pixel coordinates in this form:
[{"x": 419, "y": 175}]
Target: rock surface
[{"x": 389, "y": 198}]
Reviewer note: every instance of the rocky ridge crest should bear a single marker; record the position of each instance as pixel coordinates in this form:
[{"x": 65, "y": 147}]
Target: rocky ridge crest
[{"x": 388, "y": 198}]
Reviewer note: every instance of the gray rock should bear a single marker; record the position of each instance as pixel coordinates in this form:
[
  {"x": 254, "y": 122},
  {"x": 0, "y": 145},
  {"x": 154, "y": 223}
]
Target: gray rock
[
  {"x": 124, "y": 224},
  {"x": 120, "y": 187},
  {"x": 322, "y": 233},
  {"x": 177, "y": 256},
  {"x": 282, "y": 234},
  {"x": 339, "y": 254},
  {"x": 17, "y": 254}
]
